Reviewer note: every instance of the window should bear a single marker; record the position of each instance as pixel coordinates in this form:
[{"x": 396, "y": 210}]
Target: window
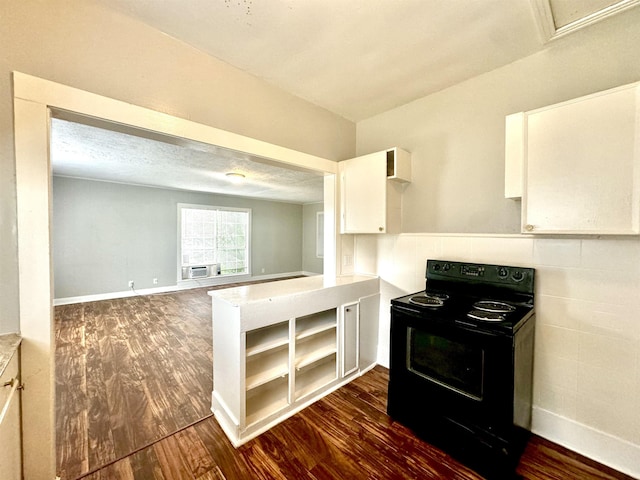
[{"x": 214, "y": 235}]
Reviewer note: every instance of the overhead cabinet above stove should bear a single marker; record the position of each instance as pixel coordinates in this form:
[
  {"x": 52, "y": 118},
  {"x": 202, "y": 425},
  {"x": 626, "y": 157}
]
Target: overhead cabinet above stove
[
  {"x": 370, "y": 191},
  {"x": 576, "y": 164}
]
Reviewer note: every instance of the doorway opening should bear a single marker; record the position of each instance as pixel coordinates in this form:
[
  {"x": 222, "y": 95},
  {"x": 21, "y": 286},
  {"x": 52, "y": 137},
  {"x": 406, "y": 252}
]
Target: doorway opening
[{"x": 34, "y": 101}]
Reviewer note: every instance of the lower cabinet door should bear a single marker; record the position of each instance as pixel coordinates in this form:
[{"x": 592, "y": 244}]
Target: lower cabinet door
[
  {"x": 350, "y": 340},
  {"x": 10, "y": 444}
]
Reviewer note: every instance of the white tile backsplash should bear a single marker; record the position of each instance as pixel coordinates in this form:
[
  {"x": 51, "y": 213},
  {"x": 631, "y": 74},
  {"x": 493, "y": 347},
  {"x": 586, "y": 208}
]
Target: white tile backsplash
[
  {"x": 426, "y": 248},
  {"x": 457, "y": 248},
  {"x": 618, "y": 255},
  {"x": 557, "y": 399},
  {"x": 560, "y": 311},
  {"x": 502, "y": 250},
  {"x": 366, "y": 254},
  {"x": 553, "y": 252},
  {"x": 587, "y": 353},
  {"x": 552, "y": 340},
  {"x": 555, "y": 371},
  {"x": 607, "y": 353}
]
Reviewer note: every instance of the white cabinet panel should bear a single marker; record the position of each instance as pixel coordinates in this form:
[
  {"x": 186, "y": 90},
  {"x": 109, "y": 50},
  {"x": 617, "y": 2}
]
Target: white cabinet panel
[
  {"x": 370, "y": 191},
  {"x": 514, "y": 149},
  {"x": 10, "y": 443},
  {"x": 364, "y": 198},
  {"x": 350, "y": 339},
  {"x": 369, "y": 313},
  {"x": 581, "y": 164}
]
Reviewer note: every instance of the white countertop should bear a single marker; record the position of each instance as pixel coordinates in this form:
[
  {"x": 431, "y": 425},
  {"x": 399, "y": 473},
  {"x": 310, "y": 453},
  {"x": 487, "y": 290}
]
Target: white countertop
[
  {"x": 9, "y": 344},
  {"x": 259, "y": 292}
]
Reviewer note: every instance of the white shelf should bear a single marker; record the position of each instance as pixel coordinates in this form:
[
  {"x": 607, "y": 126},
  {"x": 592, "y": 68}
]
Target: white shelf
[
  {"x": 266, "y": 367},
  {"x": 316, "y": 323},
  {"x": 266, "y": 400},
  {"x": 313, "y": 378},
  {"x": 267, "y": 338},
  {"x": 316, "y": 347}
]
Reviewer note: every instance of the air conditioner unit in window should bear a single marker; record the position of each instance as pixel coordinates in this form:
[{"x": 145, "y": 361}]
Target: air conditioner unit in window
[{"x": 200, "y": 271}]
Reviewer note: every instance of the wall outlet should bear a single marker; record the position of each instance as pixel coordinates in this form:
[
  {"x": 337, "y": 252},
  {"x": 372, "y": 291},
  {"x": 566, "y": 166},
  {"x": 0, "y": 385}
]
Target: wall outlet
[
  {"x": 130, "y": 283},
  {"x": 155, "y": 281}
]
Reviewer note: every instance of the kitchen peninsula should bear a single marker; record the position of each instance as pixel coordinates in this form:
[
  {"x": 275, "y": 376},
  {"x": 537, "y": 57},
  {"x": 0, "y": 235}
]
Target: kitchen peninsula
[{"x": 280, "y": 346}]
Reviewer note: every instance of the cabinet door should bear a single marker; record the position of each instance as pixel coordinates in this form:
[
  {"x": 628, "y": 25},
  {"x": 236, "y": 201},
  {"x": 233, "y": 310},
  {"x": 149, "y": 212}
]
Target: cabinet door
[
  {"x": 369, "y": 313},
  {"x": 582, "y": 166},
  {"x": 10, "y": 447},
  {"x": 350, "y": 339},
  {"x": 364, "y": 194}
]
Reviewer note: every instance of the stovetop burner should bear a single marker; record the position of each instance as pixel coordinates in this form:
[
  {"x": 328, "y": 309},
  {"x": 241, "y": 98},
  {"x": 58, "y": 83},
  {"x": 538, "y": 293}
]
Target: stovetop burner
[
  {"x": 428, "y": 300},
  {"x": 493, "y": 306},
  {"x": 485, "y": 316}
]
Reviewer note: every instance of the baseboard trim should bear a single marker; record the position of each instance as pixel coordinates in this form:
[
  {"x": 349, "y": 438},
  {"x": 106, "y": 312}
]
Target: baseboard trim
[
  {"x": 602, "y": 447},
  {"x": 185, "y": 285}
]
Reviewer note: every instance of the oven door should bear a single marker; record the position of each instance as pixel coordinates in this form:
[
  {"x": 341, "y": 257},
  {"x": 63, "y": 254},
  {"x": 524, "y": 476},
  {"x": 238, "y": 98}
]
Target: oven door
[{"x": 440, "y": 370}]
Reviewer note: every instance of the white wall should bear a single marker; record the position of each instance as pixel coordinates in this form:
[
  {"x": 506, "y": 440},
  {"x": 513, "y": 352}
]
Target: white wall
[
  {"x": 81, "y": 44},
  {"x": 105, "y": 234},
  {"x": 587, "y": 370},
  {"x": 310, "y": 261}
]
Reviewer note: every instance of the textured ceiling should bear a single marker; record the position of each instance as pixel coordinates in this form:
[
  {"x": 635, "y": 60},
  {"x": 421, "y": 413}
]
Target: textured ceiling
[{"x": 84, "y": 151}]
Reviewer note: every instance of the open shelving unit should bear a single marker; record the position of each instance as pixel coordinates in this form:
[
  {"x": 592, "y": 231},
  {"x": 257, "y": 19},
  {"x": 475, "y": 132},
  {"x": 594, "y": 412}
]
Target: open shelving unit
[
  {"x": 278, "y": 350},
  {"x": 267, "y": 371},
  {"x": 316, "y": 347},
  {"x": 266, "y": 399}
]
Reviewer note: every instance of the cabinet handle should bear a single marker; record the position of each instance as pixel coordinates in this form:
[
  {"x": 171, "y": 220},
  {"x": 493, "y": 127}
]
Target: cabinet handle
[
  {"x": 381, "y": 229},
  {"x": 347, "y": 310},
  {"x": 529, "y": 228}
]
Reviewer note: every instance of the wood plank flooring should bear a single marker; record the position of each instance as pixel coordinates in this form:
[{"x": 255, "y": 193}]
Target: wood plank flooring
[
  {"x": 129, "y": 371},
  {"x": 118, "y": 405}
]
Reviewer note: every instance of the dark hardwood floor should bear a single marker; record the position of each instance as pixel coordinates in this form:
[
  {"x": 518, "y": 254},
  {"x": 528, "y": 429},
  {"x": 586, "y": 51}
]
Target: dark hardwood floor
[{"x": 134, "y": 381}]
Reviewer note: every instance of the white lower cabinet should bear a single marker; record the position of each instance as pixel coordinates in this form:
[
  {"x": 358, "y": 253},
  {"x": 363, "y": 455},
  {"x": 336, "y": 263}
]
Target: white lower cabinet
[
  {"x": 10, "y": 443},
  {"x": 266, "y": 374},
  {"x": 350, "y": 339}
]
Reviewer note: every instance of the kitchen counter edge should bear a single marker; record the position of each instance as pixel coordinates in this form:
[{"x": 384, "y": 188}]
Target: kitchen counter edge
[{"x": 259, "y": 292}]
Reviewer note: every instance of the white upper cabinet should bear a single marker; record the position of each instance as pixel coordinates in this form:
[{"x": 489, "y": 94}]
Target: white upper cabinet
[
  {"x": 370, "y": 191},
  {"x": 580, "y": 164}
]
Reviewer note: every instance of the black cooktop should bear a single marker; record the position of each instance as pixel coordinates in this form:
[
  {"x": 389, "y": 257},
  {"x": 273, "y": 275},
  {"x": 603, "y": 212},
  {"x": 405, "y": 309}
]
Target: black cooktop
[
  {"x": 503, "y": 314},
  {"x": 493, "y": 298}
]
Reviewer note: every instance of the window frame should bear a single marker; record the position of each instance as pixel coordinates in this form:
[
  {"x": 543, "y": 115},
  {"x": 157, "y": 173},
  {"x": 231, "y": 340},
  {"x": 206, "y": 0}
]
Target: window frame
[{"x": 194, "y": 206}]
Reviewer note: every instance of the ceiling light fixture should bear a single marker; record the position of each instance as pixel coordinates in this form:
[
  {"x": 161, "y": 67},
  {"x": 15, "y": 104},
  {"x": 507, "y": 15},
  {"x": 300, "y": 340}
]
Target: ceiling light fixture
[{"x": 235, "y": 177}]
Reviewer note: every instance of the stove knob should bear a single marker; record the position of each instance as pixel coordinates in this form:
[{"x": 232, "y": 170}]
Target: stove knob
[
  {"x": 446, "y": 267},
  {"x": 436, "y": 267},
  {"x": 503, "y": 272},
  {"x": 517, "y": 275}
]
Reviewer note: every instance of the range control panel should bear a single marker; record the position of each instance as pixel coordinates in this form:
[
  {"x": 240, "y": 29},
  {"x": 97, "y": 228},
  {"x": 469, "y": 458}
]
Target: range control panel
[{"x": 480, "y": 273}]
